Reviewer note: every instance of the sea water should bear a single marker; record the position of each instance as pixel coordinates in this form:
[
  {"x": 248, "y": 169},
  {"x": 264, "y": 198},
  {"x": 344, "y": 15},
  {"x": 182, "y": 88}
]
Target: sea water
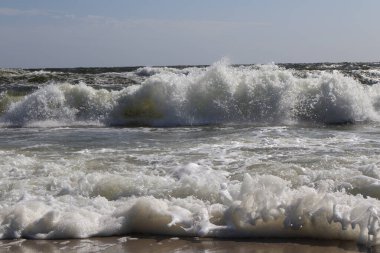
[{"x": 274, "y": 151}]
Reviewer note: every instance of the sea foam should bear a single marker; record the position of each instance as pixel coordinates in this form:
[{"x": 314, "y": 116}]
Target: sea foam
[
  {"x": 260, "y": 206},
  {"x": 62, "y": 190}
]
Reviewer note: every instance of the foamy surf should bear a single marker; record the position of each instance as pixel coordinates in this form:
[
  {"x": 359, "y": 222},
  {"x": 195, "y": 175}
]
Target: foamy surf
[
  {"x": 218, "y": 94},
  {"x": 257, "y": 207},
  {"x": 240, "y": 162}
]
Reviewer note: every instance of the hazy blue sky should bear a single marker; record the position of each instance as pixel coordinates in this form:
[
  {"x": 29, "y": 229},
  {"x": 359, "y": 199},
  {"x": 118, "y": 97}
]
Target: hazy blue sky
[{"x": 70, "y": 33}]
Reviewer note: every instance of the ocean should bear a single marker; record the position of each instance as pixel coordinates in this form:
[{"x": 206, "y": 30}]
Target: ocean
[{"x": 220, "y": 151}]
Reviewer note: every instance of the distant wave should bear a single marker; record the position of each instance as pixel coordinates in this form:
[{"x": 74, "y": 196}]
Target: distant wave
[{"x": 219, "y": 94}]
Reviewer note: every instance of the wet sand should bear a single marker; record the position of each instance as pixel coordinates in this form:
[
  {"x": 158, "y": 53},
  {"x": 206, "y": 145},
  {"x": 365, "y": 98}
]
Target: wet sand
[{"x": 172, "y": 244}]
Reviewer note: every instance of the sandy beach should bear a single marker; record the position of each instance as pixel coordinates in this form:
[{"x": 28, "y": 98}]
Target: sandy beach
[{"x": 174, "y": 244}]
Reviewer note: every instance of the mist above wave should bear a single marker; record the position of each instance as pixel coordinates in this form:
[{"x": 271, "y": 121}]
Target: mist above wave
[{"x": 217, "y": 94}]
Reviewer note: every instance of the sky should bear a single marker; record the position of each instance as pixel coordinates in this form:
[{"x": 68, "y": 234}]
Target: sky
[{"x": 90, "y": 33}]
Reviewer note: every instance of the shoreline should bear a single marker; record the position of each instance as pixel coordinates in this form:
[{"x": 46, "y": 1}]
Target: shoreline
[{"x": 160, "y": 244}]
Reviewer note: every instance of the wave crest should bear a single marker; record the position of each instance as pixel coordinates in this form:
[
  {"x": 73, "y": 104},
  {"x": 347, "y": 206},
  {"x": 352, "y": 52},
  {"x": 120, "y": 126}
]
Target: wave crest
[{"x": 214, "y": 95}]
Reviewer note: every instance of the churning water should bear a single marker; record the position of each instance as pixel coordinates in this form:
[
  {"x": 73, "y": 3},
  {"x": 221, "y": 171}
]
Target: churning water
[{"x": 217, "y": 151}]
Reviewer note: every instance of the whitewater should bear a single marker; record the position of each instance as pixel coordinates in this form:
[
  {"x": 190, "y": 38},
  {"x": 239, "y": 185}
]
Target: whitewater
[{"x": 221, "y": 151}]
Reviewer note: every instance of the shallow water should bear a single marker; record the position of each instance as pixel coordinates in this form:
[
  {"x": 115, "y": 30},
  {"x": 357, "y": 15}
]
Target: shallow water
[{"x": 174, "y": 244}]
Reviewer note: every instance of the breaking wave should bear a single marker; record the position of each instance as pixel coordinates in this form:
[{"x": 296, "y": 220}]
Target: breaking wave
[{"x": 217, "y": 94}]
